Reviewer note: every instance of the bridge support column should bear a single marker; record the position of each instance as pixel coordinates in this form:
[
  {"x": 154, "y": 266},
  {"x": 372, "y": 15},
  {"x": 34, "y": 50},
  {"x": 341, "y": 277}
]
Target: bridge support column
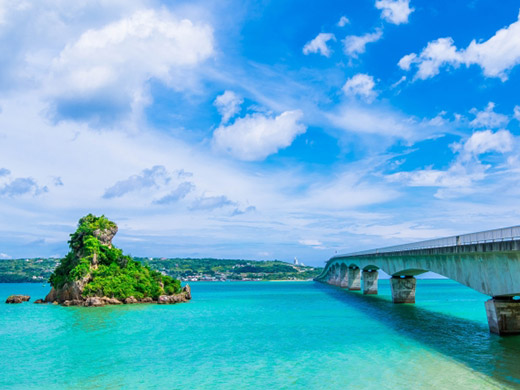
[
  {"x": 403, "y": 289},
  {"x": 503, "y": 316},
  {"x": 370, "y": 278},
  {"x": 343, "y": 277},
  {"x": 354, "y": 279}
]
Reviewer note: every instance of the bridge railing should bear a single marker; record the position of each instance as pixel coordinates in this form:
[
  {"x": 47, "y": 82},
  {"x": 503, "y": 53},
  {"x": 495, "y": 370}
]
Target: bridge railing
[{"x": 503, "y": 234}]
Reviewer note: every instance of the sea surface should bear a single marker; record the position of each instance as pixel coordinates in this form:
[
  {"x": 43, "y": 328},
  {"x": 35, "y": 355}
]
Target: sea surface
[{"x": 259, "y": 335}]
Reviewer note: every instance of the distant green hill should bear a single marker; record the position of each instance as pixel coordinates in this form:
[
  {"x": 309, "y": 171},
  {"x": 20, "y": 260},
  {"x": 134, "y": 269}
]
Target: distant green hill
[{"x": 38, "y": 270}]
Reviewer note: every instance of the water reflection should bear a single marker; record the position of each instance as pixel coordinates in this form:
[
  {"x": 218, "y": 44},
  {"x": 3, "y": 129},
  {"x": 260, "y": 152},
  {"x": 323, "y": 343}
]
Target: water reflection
[{"x": 464, "y": 340}]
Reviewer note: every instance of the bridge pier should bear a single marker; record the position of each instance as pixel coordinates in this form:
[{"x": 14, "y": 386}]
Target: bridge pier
[
  {"x": 503, "y": 315},
  {"x": 370, "y": 278},
  {"x": 403, "y": 289},
  {"x": 336, "y": 276},
  {"x": 354, "y": 278},
  {"x": 343, "y": 276}
]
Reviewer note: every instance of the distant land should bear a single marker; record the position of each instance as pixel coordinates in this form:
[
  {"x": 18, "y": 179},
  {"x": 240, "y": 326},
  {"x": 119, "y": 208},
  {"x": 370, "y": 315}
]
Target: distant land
[{"x": 38, "y": 270}]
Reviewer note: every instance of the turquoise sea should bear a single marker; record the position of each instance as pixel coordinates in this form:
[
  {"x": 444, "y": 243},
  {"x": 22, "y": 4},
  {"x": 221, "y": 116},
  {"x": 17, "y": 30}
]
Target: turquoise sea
[{"x": 259, "y": 335}]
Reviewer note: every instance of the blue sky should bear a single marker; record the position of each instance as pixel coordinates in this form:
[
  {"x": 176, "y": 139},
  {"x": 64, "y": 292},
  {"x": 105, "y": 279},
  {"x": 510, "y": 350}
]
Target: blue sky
[{"x": 257, "y": 129}]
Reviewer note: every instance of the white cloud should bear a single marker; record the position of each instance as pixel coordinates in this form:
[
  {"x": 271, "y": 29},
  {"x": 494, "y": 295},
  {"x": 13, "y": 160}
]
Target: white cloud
[
  {"x": 4, "y": 256},
  {"x": 437, "y": 53},
  {"x": 319, "y": 44},
  {"x": 355, "y": 45},
  {"x": 310, "y": 242},
  {"x": 394, "y": 11},
  {"x": 488, "y": 118},
  {"x": 343, "y": 21},
  {"x": 465, "y": 170},
  {"x": 486, "y": 141},
  {"x": 496, "y": 56},
  {"x": 111, "y": 64},
  {"x": 406, "y": 62},
  {"x": 228, "y": 105},
  {"x": 516, "y": 113},
  {"x": 256, "y": 136},
  {"x": 377, "y": 121},
  {"x": 361, "y": 85}
]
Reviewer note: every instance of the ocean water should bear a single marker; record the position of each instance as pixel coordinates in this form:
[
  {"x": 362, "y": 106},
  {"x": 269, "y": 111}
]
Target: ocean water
[{"x": 259, "y": 335}]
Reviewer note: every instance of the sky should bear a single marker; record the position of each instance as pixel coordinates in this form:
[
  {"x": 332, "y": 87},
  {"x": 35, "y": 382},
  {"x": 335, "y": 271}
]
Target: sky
[{"x": 257, "y": 129}]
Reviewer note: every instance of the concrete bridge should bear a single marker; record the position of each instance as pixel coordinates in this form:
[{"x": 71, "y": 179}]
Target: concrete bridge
[{"x": 488, "y": 262}]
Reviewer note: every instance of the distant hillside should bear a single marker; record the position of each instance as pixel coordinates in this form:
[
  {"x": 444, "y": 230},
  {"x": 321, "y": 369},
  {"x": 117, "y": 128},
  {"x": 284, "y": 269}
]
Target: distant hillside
[
  {"x": 223, "y": 269},
  {"x": 40, "y": 269}
]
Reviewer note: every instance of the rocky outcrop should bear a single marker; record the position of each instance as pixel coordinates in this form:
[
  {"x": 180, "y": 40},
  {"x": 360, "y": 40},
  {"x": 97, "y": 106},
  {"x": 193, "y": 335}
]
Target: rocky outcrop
[
  {"x": 130, "y": 300},
  {"x": 17, "y": 298},
  {"x": 69, "y": 292},
  {"x": 184, "y": 296},
  {"x": 39, "y": 301},
  {"x": 105, "y": 236},
  {"x": 187, "y": 291}
]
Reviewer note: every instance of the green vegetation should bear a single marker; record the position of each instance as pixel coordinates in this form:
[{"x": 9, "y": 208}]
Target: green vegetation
[
  {"x": 27, "y": 270},
  {"x": 104, "y": 268},
  {"x": 220, "y": 269}
]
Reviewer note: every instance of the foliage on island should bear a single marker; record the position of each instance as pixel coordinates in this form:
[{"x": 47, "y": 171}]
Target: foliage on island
[{"x": 105, "y": 269}]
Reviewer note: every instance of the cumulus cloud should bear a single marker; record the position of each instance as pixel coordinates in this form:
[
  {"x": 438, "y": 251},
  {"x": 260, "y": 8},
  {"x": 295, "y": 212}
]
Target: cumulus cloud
[
  {"x": 361, "y": 85},
  {"x": 486, "y": 141},
  {"x": 496, "y": 56},
  {"x": 488, "y": 118},
  {"x": 256, "y": 136},
  {"x": 394, "y": 11},
  {"x": 21, "y": 186},
  {"x": 177, "y": 194},
  {"x": 228, "y": 105},
  {"x": 148, "y": 178},
  {"x": 211, "y": 203},
  {"x": 354, "y": 45},
  {"x": 109, "y": 66},
  {"x": 319, "y": 44},
  {"x": 516, "y": 113},
  {"x": 343, "y": 21}
]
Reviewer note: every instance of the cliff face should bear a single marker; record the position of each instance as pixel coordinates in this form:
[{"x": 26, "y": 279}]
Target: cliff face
[{"x": 95, "y": 273}]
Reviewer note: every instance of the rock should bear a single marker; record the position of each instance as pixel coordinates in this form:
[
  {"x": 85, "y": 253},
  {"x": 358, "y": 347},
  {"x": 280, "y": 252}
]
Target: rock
[
  {"x": 111, "y": 301},
  {"x": 17, "y": 298},
  {"x": 39, "y": 301},
  {"x": 170, "y": 299},
  {"x": 105, "y": 236},
  {"x": 94, "y": 301},
  {"x": 130, "y": 300},
  {"x": 70, "y": 291},
  {"x": 147, "y": 300},
  {"x": 55, "y": 303},
  {"x": 187, "y": 291}
]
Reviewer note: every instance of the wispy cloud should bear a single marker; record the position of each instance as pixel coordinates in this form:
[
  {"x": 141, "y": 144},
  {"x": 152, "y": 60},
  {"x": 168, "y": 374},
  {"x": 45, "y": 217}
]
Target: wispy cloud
[
  {"x": 148, "y": 178},
  {"x": 211, "y": 203},
  {"x": 177, "y": 194},
  {"x": 21, "y": 186}
]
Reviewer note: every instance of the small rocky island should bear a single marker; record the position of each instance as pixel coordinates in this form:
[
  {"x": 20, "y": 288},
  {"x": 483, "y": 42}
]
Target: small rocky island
[{"x": 95, "y": 273}]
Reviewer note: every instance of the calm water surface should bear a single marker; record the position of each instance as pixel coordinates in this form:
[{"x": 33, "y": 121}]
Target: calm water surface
[{"x": 259, "y": 335}]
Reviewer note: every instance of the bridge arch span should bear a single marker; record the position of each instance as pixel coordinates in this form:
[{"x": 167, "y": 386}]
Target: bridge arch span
[{"x": 488, "y": 262}]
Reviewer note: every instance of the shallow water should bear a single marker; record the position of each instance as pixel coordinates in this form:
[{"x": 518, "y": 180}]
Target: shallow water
[{"x": 259, "y": 335}]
